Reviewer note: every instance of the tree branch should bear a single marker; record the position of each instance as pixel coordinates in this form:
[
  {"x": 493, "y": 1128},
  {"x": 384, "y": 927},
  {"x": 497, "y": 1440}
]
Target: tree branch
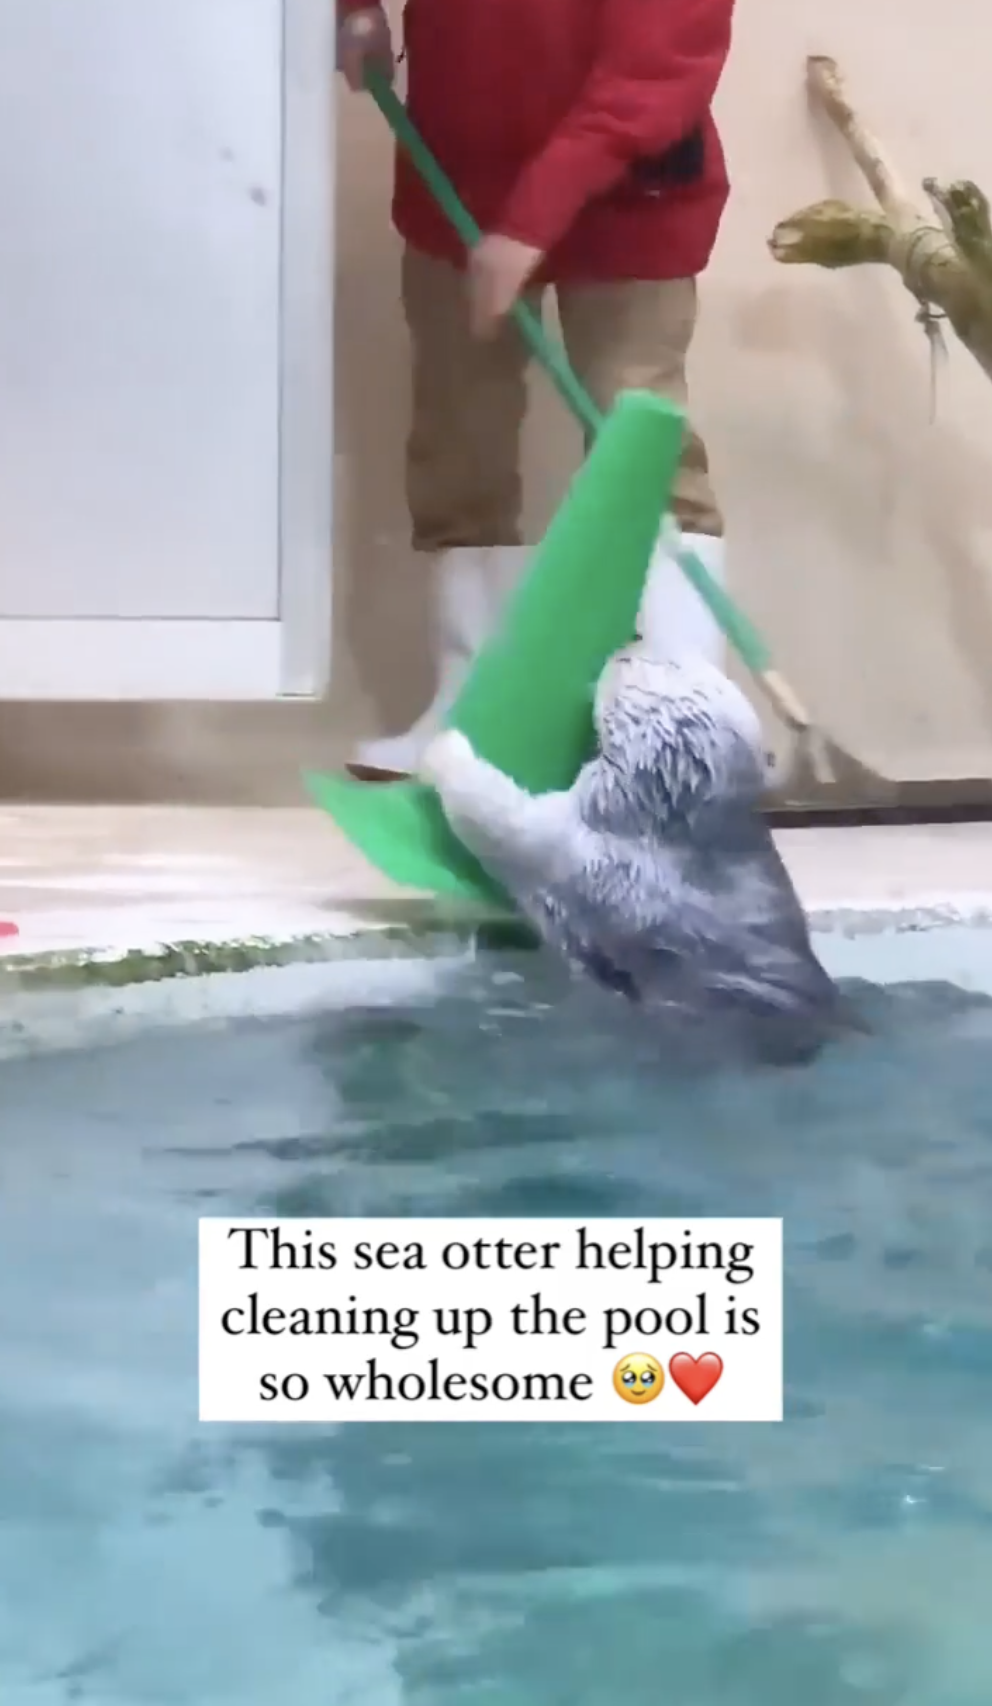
[
  {"x": 944, "y": 261},
  {"x": 826, "y": 87},
  {"x": 966, "y": 211},
  {"x": 832, "y": 234}
]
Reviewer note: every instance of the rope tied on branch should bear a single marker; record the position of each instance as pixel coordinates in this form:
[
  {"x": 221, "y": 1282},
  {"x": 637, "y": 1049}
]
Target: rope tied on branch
[{"x": 912, "y": 253}]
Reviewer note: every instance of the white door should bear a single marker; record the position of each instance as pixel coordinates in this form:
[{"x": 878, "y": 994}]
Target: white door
[{"x": 145, "y": 263}]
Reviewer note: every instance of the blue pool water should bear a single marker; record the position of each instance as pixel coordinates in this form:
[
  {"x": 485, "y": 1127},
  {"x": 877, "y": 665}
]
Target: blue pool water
[{"x": 842, "y": 1557}]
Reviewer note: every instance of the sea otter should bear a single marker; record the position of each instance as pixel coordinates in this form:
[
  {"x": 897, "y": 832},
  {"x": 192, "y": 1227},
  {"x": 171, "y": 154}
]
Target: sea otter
[{"x": 655, "y": 874}]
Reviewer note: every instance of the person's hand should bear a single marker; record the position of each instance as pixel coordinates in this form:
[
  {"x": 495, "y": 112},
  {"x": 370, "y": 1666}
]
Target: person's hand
[
  {"x": 499, "y": 268},
  {"x": 364, "y": 40}
]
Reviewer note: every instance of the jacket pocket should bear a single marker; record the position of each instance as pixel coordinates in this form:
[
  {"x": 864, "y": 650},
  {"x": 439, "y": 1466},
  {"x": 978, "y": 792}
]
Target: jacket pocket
[{"x": 677, "y": 167}]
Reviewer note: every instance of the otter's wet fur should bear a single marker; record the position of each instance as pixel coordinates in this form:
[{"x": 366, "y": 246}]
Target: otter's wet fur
[{"x": 655, "y": 874}]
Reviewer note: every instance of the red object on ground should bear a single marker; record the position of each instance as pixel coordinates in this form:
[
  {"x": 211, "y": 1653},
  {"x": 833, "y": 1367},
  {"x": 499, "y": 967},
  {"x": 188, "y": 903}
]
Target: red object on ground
[
  {"x": 539, "y": 109},
  {"x": 7, "y": 928}
]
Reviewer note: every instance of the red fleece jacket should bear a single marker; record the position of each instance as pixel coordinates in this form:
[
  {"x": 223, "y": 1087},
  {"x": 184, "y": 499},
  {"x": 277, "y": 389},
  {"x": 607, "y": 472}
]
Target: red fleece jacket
[{"x": 556, "y": 120}]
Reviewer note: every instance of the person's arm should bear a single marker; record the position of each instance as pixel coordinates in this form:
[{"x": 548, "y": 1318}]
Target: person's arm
[{"x": 656, "y": 72}]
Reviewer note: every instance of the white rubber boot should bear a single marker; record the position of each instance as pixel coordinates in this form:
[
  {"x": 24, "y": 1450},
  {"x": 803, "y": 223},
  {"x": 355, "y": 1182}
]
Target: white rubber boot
[
  {"x": 674, "y": 622},
  {"x": 506, "y": 565},
  {"x": 673, "y": 619},
  {"x": 469, "y": 587}
]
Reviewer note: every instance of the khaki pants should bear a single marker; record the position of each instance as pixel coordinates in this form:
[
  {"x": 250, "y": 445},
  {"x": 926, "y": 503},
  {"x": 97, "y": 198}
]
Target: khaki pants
[{"x": 463, "y": 478}]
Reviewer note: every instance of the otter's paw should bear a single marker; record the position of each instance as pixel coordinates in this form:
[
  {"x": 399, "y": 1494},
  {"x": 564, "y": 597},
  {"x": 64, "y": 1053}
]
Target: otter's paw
[{"x": 444, "y": 758}]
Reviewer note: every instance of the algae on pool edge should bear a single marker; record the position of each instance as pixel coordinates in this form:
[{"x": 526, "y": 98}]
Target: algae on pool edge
[{"x": 95, "y": 967}]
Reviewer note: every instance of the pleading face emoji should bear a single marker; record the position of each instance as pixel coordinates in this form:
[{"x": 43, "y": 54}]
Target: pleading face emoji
[{"x": 638, "y": 1378}]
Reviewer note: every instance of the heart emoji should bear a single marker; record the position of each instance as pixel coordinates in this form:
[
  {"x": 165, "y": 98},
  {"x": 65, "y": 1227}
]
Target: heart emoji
[{"x": 695, "y": 1376}]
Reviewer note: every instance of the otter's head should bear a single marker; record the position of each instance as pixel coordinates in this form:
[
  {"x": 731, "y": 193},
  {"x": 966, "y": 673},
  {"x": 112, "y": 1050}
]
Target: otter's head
[{"x": 676, "y": 737}]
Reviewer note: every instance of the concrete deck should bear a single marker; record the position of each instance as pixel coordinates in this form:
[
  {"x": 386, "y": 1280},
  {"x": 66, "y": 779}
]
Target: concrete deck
[
  {"x": 125, "y": 879},
  {"x": 92, "y": 881}
]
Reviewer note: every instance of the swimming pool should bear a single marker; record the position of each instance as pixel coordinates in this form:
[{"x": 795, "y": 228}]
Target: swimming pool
[{"x": 842, "y": 1557}]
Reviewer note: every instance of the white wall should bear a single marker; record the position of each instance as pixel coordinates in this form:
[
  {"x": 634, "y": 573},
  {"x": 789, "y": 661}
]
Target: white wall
[{"x": 862, "y": 531}]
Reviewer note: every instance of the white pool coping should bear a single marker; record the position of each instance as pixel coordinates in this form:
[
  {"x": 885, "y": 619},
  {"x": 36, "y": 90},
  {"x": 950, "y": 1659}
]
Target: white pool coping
[{"x": 142, "y": 899}]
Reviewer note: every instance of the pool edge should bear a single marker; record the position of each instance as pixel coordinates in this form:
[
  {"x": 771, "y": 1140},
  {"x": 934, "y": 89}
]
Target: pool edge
[{"x": 414, "y": 932}]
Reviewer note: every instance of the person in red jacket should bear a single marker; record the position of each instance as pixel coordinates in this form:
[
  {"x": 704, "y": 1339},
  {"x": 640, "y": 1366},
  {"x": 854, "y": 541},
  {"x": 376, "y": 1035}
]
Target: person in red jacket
[{"x": 579, "y": 133}]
